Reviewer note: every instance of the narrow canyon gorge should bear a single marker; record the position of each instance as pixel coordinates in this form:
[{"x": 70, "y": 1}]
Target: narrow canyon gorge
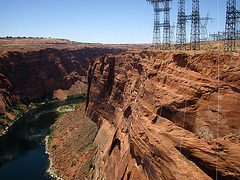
[
  {"x": 157, "y": 118},
  {"x": 148, "y": 114}
]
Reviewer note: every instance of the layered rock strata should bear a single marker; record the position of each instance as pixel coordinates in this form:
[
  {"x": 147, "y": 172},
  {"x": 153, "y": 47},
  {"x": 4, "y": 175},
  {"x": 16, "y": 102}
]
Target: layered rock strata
[
  {"x": 159, "y": 115},
  {"x": 36, "y": 75}
]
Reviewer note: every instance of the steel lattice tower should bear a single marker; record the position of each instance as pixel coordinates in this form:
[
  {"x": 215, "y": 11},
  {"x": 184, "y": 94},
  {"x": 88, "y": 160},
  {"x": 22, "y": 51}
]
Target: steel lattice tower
[
  {"x": 203, "y": 27},
  {"x": 195, "y": 26},
  {"x": 157, "y": 24},
  {"x": 166, "y": 25},
  {"x": 181, "y": 24},
  {"x": 231, "y": 23},
  {"x": 213, "y": 37}
]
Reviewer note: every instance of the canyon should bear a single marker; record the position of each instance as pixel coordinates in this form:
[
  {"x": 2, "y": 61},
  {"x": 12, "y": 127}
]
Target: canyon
[
  {"x": 37, "y": 70},
  {"x": 148, "y": 114},
  {"x": 40, "y": 69},
  {"x": 160, "y": 115}
]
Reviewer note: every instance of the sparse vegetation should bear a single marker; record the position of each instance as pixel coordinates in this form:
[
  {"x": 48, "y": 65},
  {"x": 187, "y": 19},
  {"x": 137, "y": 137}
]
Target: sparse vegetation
[
  {"x": 66, "y": 108},
  {"x": 58, "y": 173},
  {"x": 9, "y": 110},
  {"x": 18, "y": 37},
  {"x": 2, "y": 125},
  {"x": 55, "y": 99},
  {"x": 77, "y": 96},
  {"x": 5, "y": 117},
  {"x": 235, "y": 137},
  {"x": 17, "y": 111},
  {"x": 46, "y": 100},
  {"x": 20, "y": 111},
  {"x": 91, "y": 165},
  {"x": 73, "y": 164},
  {"x": 54, "y": 146},
  {"x": 50, "y": 136},
  {"x": 36, "y": 104}
]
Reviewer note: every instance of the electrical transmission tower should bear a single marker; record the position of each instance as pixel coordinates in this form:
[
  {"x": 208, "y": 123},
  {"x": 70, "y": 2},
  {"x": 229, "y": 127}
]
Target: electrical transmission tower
[
  {"x": 203, "y": 27},
  {"x": 195, "y": 26},
  {"x": 181, "y": 24},
  {"x": 157, "y": 25},
  {"x": 213, "y": 37},
  {"x": 166, "y": 25},
  {"x": 232, "y": 15},
  {"x": 220, "y": 36}
]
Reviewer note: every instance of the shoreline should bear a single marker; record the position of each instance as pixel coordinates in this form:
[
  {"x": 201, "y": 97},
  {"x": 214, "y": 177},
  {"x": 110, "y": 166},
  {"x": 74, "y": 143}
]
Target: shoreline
[
  {"x": 49, "y": 171},
  {"x": 40, "y": 105},
  {"x": 66, "y": 108},
  {"x": 12, "y": 123},
  {"x": 52, "y": 173},
  {"x": 27, "y": 111},
  {"x": 80, "y": 137}
]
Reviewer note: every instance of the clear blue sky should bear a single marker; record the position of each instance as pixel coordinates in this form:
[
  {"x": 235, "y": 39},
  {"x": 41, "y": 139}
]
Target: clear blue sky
[{"x": 106, "y": 21}]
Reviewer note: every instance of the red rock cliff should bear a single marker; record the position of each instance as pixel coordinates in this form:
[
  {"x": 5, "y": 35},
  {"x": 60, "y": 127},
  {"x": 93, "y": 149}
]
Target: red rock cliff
[
  {"x": 35, "y": 75},
  {"x": 142, "y": 100}
]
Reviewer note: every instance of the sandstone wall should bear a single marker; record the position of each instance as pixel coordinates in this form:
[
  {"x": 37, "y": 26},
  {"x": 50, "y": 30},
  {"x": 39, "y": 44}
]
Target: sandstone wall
[{"x": 139, "y": 102}]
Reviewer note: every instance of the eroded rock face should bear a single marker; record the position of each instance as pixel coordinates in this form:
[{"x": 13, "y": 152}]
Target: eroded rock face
[
  {"x": 36, "y": 75},
  {"x": 142, "y": 100}
]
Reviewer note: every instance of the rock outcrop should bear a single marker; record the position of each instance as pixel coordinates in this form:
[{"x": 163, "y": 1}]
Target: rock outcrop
[
  {"x": 159, "y": 115},
  {"x": 29, "y": 76}
]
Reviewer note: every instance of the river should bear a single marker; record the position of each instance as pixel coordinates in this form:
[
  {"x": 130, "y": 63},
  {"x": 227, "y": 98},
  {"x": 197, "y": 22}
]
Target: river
[{"x": 22, "y": 149}]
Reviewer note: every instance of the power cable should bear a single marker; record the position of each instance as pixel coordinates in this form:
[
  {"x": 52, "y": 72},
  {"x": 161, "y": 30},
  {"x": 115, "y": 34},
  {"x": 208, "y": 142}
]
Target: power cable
[
  {"x": 218, "y": 102},
  {"x": 184, "y": 115}
]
